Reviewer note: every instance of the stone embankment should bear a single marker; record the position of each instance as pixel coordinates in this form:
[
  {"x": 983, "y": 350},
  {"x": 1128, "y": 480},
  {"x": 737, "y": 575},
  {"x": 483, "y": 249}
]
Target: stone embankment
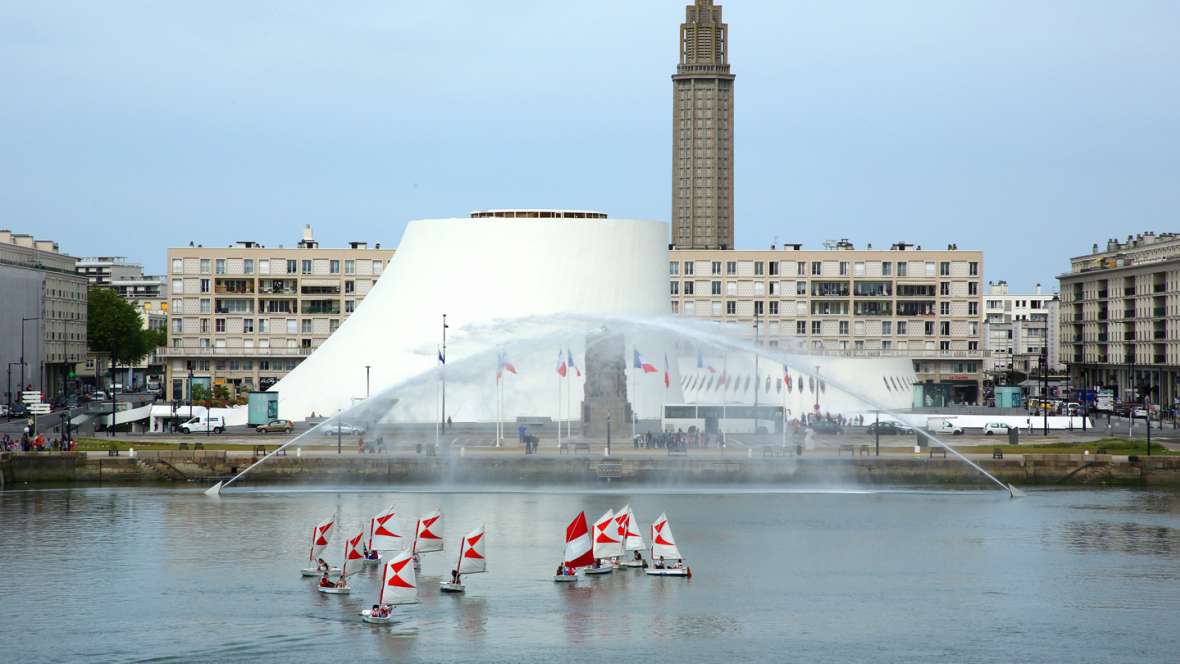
[{"x": 206, "y": 467}]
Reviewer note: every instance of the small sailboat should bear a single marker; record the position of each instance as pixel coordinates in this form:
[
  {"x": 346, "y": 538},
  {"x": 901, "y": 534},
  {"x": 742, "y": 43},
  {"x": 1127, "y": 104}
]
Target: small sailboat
[
  {"x": 632, "y": 541},
  {"x": 665, "y": 556},
  {"x": 607, "y": 544},
  {"x": 321, "y": 534},
  {"x": 398, "y": 585},
  {"x": 578, "y": 550},
  {"x": 354, "y": 561},
  {"x": 384, "y": 535},
  {"x": 472, "y": 560},
  {"x": 427, "y": 537}
]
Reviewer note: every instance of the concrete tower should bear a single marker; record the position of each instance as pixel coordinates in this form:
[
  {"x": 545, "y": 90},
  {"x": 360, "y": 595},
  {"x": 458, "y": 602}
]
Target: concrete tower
[{"x": 702, "y": 130}]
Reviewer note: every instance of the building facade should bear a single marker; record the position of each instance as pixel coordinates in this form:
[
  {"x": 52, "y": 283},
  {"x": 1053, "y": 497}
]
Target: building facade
[
  {"x": 901, "y": 302},
  {"x": 1120, "y": 318},
  {"x": 246, "y": 315},
  {"x": 1018, "y": 327},
  {"x": 43, "y": 329},
  {"x": 148, "y": 294},
  {"x": 702, "y": 131}
]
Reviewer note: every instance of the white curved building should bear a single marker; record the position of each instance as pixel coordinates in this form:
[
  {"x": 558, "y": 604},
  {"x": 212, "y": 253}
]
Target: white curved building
[{"x": 495, "y": 265}]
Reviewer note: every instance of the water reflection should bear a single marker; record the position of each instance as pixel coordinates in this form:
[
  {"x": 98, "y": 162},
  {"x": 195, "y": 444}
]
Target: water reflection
[{"x": 1122, "y": 537}]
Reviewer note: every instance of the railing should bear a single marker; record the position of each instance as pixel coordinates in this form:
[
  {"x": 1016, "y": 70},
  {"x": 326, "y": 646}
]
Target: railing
[
  {"x": 1129, "y": 291},
  {"x": 1160, "y": 334},
  {"x": 1103, "y": 338},
  {"x": 236, "y": 352},
  {"x": 1103, "y": 294},
  {"x": 1159, "y": 359},
  {"x": 1158, "y": 288},
  {"x": 1129, "y": 313},
  {"x": 1158, "y": 311},
  {"x": 1128, "y": 336},
  {"x": 1102, "y": 315}
]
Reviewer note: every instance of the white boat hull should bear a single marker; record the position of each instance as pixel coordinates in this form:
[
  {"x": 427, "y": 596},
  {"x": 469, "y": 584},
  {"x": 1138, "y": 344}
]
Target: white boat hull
[
  {"x": 373, "y": 561},
  {"x": 592, "y": 571},
  {"x": 335, "y": 591},
  {"x": 565, "y": 579},
  {"x": 651, "y": 571},
  {"x": 452, "y": 587},
  {"x": 631, "y": 563},
  {"x": 312, "y": 571},
  {"x": 367, "y": 616}
]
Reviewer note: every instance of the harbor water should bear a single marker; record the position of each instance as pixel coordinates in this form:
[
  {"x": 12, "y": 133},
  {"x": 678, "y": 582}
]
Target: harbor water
[{"x": 166, "y": 575}]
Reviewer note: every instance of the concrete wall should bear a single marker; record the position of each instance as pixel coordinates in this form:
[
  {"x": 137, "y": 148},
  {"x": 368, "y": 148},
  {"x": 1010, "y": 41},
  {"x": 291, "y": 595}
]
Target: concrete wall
[{"x": 20, "y": 291}]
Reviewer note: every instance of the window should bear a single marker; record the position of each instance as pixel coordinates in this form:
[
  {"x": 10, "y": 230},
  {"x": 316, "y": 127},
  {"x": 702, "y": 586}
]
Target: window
[
  {"x": 773, "y": 268},
  {"x": 219, "y": 325},
  {"x": 800, "y": 268},
  {"x": 759, "y": 288},
  {"x": 944, "y": 269},
  {"x": 264, "y": 326},
  {"x": 204, "y": 266},
  {"x": 886, "y": 269},
  {"x": 886, "y": 328},
  {"x": 306, "y": 266},
  {"x": 334, "y": 266},
  {"x": 333, "y": 325},
  {"x": 716, "y": 267},
  {"x": 177, "y": 326},
  {"x": 206, "y": 305},
  {"x": 901, "y": 328},
  {"x": 944, "y": 308},
  {"x": 220, "y": 266},
  {"x": 291, "y": 326},
  {"x": 688, "y": 288},
  {"x": 731, "y": 288},
  {"x": 204, "y": 326},
  {"x": 858, "y": 269},
  {"x": 673, "y": 268},
  {"x": 306, "y": 326},
  {"x": 801, "y": 327},
  {"x": 377, "y": 267},
  {"x": 972, "y": 308},
  {"x": 800, "y": 288},
  {"x": 815, "y": 327},
  {"x": 973, "y": 288},
  {"x": 248, "y": 266},
  {"x": 349, "y": 267},
  {"x": 730, "y": 307},
  {"x": 177, "y": 266},
  {"x": 715, "y": 288},
  {"x": 349, "y": 286},
  {"x": 675, "y": 287},
  {"x": 349, "y": 306},
  {"x": 973, "y": 269},
  {"x": 902, "y": 268},
  {"x": 759, "y": 268},
  {"x": 758, "y": 308},
  {"x": 687, "y": 267},
  {"x": 843, "y": 328},
  {"x": 774, "y": 308},
  {"x": 930, "y": 268},
  {"x": 944, "y": 288},
  {"x": 178, "y": 286},
  {"x": 731, "y": 267},
  {"x": 248, "y": 326},
  {"x": 929, "y": 325},
  {"x": 817, "y": 268},
  {"x": 204, "y": 285},
  {"x": 843, "y": 268},
  {"x": 972, "y": 345},
  {"x": 291, "y": 267},
  {"x": 944, "y": 328},
  {"x": 716, "y": 308},
  {"x": 264, "y": 266}
]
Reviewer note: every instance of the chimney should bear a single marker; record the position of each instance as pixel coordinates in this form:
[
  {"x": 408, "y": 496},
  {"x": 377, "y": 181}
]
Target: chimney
[
  {"x": 1038, "y": 289},
  {"x": 307, "y": 237}
]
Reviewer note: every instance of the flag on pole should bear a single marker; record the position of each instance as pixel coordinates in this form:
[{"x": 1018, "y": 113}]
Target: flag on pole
[
  {"x": 569, "y": 358},
  {"x": 640, "y": 363},
  {"x": 701, "y": 363},
  {"x": 560, "y": 365},
  {"x": 667, "y": 373},
  {"x": 502, "y": 365},
  {"x": 441, "y": 359},
  {"x": 787, "y": 377}
]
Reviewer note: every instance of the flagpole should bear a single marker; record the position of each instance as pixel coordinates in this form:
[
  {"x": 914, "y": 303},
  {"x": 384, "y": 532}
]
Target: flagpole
[
  {"x": 634, "y": 402},
  {"x": 558, "y": 418}
]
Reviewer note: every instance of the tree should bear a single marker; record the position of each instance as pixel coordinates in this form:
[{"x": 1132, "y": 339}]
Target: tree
[{"x": 115, "y": 328}]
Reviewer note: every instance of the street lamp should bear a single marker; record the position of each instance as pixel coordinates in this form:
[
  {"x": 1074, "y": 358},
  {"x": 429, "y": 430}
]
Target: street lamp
[
  {"x": 367, "y": 367},
  {"x": 23, "y": 371},
  {"x": 608, "y": 434}
]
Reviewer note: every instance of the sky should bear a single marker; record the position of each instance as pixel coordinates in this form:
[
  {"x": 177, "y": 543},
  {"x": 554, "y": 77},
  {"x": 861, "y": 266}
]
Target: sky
[{"x": 1029, "y": 130}]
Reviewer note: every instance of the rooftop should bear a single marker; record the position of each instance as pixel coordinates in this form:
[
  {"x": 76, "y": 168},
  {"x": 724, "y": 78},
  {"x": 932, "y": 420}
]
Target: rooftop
[{"x": 537, "y": 214}]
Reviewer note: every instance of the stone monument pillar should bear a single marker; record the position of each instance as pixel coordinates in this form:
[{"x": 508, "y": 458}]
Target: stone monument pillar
[{"x": 605, "y": 390}]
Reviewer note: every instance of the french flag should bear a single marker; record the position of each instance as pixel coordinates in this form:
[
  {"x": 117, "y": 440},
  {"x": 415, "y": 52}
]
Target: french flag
[
  {"x": 701, "y": 363},
  {"x": 502, "y": 365},
  {"x": 667, "y": 373},
  {"x": 560, "y": 365},
  {"x": 640, "y": 363},
  {"x": 786, "y": 377},
  {"x": 569, "y": 357}
]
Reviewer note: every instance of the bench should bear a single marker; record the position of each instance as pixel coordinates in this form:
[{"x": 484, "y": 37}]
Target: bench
[
  {"x": 851, "y": 449},
  {"x": 937, "y": 450},
  {"x": 864, "y": 450},
  {"x": 574, "y": 447},
  {"x": 774, "y": 450},
  {"x": 197, "y": 446},
  {"x": 260, "y": 450},
  {"x": 112, "y": 451},
  {"x": 183, "y": 446},
  {"x": 997, "y": 453}
]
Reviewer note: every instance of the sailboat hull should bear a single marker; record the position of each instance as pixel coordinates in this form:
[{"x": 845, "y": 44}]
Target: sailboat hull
[
  {"x": 367, "y": 616},
  {"x": 592, "y": 571},
  {"x": 651, "y": 571},
  {"x": 631, "y": 563},
  {"x": 373, "y": 561},
  {"x": 335, "y": 591},
  {"x": 565, "y": 579},
  {"x": 312, "y": 571},
  {"x": 452, "y": 587}
]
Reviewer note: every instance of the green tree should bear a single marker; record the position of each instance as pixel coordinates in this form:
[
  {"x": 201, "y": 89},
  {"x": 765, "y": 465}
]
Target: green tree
[{"x": 115, "y": 328}]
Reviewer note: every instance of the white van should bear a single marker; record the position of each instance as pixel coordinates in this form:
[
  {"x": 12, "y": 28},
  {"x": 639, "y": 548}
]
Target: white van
[
  {"x": 199, "y": 424},
  {"x": 944, "y": 425}
]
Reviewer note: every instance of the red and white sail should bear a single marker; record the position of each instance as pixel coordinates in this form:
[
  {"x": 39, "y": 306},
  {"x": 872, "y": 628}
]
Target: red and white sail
[
  {"x": 354, "y": 556},
  {"x": 473, "y": 552},
  {"x": 663, "y": 545},
  {"x": 399, "y": 584},
  {"x": 607, "y": 543},
  {"x": 632, "y": 539},
  {"x": 428, "y": 533},
  {"x": 578, "y": 549},
  {"x": 321, "y": 534},
  {"x": 384, "y": 534}
]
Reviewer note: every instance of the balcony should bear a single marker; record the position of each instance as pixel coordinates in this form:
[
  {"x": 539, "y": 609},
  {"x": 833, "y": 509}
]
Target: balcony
[
  {"x": 1103, "y": 315},
  {"x": 1128, "y": 336},
  {"x": 1103, "y": 294},
  {"x": 1159, "y": 359},
  {"x": 1130, "y": 290},
  {"x": 1159, "y": 312},
  {"x": 1159, "y": 334},
  {"x": 1129, "y": 313},
  {"x": 1159, "y": 288},
  {"x": 236, "y": 352},
  {"x": 1103, "y": 338}
]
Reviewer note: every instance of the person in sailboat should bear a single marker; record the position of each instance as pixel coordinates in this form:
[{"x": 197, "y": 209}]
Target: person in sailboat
[
  {"x": 325, "y": 582},
  {"x": 371, "y": 554},
  {"x": 639, "y": 559},
  {"x": 660, "y": 563},
  {"x": 322, "y": 565},
  {"x": 380, "y": 610},
  {"x": 342, "y": 582},
  {"x": 455, "y": 576}
]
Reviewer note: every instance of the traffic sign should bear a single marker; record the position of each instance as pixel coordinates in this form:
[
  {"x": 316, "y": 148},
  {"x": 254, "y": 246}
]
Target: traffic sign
[
  {"x": 30, "y": 397},
  {"x": 39, "y": 409}
]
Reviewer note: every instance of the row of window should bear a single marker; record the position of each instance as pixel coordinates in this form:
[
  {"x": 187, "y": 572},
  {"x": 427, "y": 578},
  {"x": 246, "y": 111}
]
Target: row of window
[
  {"x": 858, "y": 268},
  {"x": 246, "y": 306},
  {"x": 293, "y": 266},
  {"x": 246, "y": 365},
  {"x": 267, "y": 286},
  {"x": 264, "y": 326}
]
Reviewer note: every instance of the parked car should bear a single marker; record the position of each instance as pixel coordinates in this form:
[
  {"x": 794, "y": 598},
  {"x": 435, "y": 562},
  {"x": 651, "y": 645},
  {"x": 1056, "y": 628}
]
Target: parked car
[
  {"x": 946, "y": 426},
  {"x": 99, "y": 395},
  {"x": 18, "y": 410},
  {"x": 890, "y": 429},
  {"x": 992, "y": 428},
  {"x": 199, "y": 424},
  {"x": 342, "y": 429},
  {"x": 276, "y": 426},
  {"x": 825, "y": 427}
]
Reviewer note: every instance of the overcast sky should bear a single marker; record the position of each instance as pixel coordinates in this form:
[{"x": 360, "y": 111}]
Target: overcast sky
[{"x": 1026, "y": 129}]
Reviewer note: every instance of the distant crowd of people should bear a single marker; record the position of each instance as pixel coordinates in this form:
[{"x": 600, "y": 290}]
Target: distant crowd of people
[
  {"x": 677, "y": 440},
  {"x": 37, "y": 443}
]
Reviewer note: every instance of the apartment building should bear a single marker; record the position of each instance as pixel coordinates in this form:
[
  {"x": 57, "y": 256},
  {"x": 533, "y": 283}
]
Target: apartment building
[
  {"x": 1120, "y": 317},
  {"x": 246, "y": 315},
  {"x": 148, "y": 294},
  {"x": 1018, "y": 327},
  {"x": 43, "y": 329},
  {"x": 904, "y": 301}
]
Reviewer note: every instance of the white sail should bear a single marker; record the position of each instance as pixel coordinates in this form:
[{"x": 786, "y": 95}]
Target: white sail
[
  {"x": 384, "y": 533},
  {"x": 428, "y": 533},
  {"x": 321, "y": 534},
  {"x": 663, "y": 545},
  {"x": 607, "y": 543},
  {"x": 632, "y": 538},
  {"x": 354, "y": 558},
  {"x": 473, "y": 552},
  {"x": 399, "y": 584}
]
